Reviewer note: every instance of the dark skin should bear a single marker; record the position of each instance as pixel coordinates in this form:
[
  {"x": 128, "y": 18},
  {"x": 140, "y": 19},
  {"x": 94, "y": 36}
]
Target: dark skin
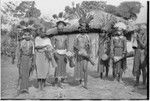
[
  {"x": 143, "y": 65},
  {"x": 27, "y": 36}
]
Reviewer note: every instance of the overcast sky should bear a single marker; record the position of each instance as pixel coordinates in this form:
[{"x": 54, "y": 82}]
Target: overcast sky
[{"x": 50, "y": 7}]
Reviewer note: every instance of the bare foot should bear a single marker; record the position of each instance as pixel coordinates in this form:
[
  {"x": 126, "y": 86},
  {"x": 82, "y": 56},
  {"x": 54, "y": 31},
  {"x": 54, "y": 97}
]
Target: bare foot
[
  {"x": 121, "y": 81},
  {"x": 85, "y": 87}
]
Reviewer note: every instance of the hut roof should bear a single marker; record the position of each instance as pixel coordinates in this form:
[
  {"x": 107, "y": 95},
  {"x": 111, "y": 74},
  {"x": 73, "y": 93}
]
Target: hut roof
[{"x": 104, "y": 20}]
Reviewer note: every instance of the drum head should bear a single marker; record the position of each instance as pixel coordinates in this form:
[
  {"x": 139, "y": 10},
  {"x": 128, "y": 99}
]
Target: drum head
[{"x": 104, "y": 57}]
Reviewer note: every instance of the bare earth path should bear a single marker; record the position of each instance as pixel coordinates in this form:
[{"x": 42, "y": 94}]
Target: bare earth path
[{"x": 97, "y": 88}]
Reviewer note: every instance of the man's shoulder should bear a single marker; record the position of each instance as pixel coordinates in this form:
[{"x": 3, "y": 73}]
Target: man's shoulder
[
  {"x": 87, "y": 36},
  {"x": 79, "y": 35},
  {"x": 60, "y": 37}
]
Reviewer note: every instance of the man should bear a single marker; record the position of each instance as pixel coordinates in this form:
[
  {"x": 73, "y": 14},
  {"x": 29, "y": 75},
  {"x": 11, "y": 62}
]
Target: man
[
  {"x": 107, "y": 52},
  {"x": 25, "y": 60},
  {"x": 61, "y": 46},
  {"x": 140, "y": 58},
  {"x": 82, "y": 49},
  {"x": 103, "y": 52},
  {"x": 118, "y": 52}
]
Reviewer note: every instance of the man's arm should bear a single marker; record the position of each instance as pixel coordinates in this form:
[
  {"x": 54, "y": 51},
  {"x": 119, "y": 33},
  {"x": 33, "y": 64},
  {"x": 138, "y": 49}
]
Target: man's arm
[
  {"x": 98, "y": 45},
  {"x": 112, "y": 48},
  {"x": 89, "y": 46},
  {"x": 67, "y": 43},
  {"x": 40, "y": 47},
  {"x": 125, "y": 45},
  {"x": 53, "y": 41},
  {"x": 19, "y": 56},
  {"x": 142, "y": 41}
]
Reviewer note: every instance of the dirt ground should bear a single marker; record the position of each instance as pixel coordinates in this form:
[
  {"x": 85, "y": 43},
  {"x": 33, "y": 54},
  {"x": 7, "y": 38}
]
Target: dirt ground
[{"x": 97, "y": 88}]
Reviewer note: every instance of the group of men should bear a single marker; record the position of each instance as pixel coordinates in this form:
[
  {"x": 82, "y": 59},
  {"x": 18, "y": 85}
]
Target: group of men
[
  {"x": 116, "y": 51},
  {"x": 114, "y": 48},
  {"x": 118, "y": 54},
  {"x": 81, "y": 51}
]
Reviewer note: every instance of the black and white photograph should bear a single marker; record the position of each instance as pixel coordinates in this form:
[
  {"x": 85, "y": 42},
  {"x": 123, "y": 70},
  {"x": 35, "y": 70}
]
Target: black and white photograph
[{"x": 74, "y": 49}]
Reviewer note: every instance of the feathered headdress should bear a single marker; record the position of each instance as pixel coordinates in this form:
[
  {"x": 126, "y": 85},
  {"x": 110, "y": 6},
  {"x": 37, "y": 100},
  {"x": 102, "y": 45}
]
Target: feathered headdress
[
  {"x": 84, "y": 17},
  {"x": 30, "y": 25},
  {"x": 60, "y": 18},
  {"x": 26, "y": 25},
  {"x": 120, "y": 25}
]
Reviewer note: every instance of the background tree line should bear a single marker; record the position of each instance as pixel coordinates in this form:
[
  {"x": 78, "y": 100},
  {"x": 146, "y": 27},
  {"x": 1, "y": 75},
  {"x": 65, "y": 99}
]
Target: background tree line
[
  {"x": 126, "y": 10},
  {"x": 12, "y": 12}
]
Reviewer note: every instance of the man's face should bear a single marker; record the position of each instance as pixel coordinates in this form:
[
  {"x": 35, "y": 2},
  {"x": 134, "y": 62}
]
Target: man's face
[
  {"x": 119, "y": 31},
  {"x": 26, "y": 34},
  {"x": 61, "y": 26},
  {"x": 83, "y": 26}
]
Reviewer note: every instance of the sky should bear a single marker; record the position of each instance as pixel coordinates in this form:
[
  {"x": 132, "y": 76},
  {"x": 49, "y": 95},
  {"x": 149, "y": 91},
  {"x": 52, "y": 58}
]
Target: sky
[{"x": 50, "y": 7}]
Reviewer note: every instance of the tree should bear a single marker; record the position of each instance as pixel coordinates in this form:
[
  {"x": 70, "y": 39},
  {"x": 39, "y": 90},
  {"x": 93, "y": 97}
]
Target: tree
[
  {"x": 33, "y": 12},
  {"x": 8, "y": 7},
  {"x": 76, "y": 11},
  {"x": 23, "y": 9},
  {"x": 110, "y": 9},
  {"x": 71, "y": 12},
  {"x": 128, "y": 10},
  {"x": 93, "y": 5},
  {"x": 13, "y": 12},
  {"x": 46, "y": 24},
  {"x": 8, "y": 11}
]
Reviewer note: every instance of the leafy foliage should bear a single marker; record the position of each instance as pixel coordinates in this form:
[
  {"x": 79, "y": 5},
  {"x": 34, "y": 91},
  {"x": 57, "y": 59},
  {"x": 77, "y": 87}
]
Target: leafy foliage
[
  {"x": 93, "y": 5},
  {"x": 110, "y": 9},
  {"x": 33, "y": 12},
  {"x": 77, "y": 11},
  {"x": 129, "y": 9},
  {"x": 46, "y": 24}
]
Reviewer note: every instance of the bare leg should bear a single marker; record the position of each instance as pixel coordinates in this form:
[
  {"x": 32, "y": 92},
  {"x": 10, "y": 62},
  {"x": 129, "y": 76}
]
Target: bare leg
[
  {"x": 120, "y": 76},
  {"x": 43, "y": 82},
  {"x": 85, "y": 79},
  {"x": 59, "y": 83},
  {"x": 39, "y": 84},
  {"x": 85, "y": 74},
  {"x": 137, "y": 80},
  {"x": 107, "y": 69},
  {"x": 115, "y": 72},
  {"x": 144, "y": 75}
]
